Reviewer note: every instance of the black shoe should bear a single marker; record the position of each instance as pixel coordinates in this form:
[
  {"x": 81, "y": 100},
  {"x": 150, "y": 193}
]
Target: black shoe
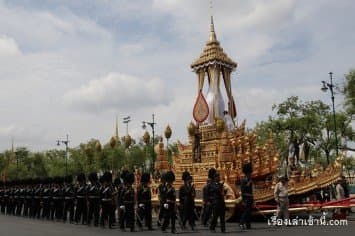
[{"x": 173, "y": 231}]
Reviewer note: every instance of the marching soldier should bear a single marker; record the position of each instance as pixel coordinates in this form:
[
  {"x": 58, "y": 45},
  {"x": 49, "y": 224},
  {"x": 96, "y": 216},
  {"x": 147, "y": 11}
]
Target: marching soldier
[
  {"x": 187, "y": 195},
  {"x": 107, "y": 200},
  {"x": 207, "y": 202},
  {"x": 36, "y": 200},
  {"x": 47, "y": 199},
  {"x": 218, "y": 203},
  {"x": 69, "y": 199},
  {"x": 120, "y": 191},
  {"x": 58, "y": 199},
  {"x": 81, "y": 207},
  {"x": 94, "y": 199},
  {"x": 162, "y": 198},
  {"x": 169, "y": 203},
  {"x": 246, "y": 188},
  {"x": 127, "y": 199},
  {"x": 144, "y": 197}
]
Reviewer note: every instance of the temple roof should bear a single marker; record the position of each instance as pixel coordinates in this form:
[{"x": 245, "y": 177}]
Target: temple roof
[{"x": 213, "y": 52}]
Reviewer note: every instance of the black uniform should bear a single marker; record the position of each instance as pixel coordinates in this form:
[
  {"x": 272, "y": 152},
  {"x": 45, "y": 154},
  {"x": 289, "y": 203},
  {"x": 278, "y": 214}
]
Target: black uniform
[
  {"x": 162, "y": 199},
  {"x": 207, "y": 203},
  {"x": 187, "y": 195},
  {"x": 216, "y": 191},
  {"x": 81, "y": 207},
  {"x": 170, "y": 211},
  {"x": 246, "y": 188},
  {"x": 69, "y": 203},
  {"x": 46, "y": 201},
  {"x": 128, "y": 203},
  {"x": 36, "y": 202},
  {"x": 94, "y": 203},
  {"x": 144, "y": 197}
]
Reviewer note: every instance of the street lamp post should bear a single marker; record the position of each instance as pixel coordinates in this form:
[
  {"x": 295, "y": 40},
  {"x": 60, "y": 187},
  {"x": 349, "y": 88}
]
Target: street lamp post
[
  {"x": 66, "y": 143},
  {"x": 126, "y": 120},
  {"x": 152, "y": 125},
  {"x": 331, "y": 86}
]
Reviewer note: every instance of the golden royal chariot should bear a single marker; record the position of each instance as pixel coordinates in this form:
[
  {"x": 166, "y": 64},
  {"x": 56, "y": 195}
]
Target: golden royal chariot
[{"x": 215, "y": 141}]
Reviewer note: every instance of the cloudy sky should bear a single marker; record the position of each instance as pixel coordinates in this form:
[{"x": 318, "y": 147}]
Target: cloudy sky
[{"x": 71, "y": 66}]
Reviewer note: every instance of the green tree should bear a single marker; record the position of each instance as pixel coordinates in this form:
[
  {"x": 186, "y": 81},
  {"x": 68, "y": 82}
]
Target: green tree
[{"x": 349, "y": 92}]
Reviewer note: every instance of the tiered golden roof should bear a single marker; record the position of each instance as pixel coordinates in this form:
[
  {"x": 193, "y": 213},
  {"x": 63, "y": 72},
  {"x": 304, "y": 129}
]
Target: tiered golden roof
[{"x": 213, "y": 52}]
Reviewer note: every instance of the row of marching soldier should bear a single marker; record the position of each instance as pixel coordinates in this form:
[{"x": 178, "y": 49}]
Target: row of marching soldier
[{"x": 95, "y": 202}]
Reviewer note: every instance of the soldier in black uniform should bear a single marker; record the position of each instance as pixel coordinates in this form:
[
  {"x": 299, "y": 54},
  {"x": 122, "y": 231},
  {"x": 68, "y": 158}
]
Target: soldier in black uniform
[
  {"x": 16, "y": 190},
  {"x": 170, "y": 202},
  {"x": 36, "y": 200},
  {"x": 120, "y": 192},
  {"x": 47, "y": 198},
  {"x": 162, "y": 198},
  {"x": 246, "y": 189},
  {"x": 21, "y": 200},
  {"x": 81, "y": 204},
  {"x": 69, "y": 199},
  {"x": 94, "y": 199},
  {"x": 107, "y": 200},
  {"x": 58, "y": 198},
  {"x": 187, "y": 194},
  {"x": 128, "y": 201},
  {"x": 7, "y": 193},
  {"x": 26, "y": 202},
  {"x": 207, "y": 203},
  {"x": 144, "y": 197},
  {"x": 216, "y": 191}
]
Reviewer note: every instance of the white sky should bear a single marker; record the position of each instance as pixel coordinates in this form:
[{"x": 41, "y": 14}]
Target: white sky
[{"x": 72, "y": 66}]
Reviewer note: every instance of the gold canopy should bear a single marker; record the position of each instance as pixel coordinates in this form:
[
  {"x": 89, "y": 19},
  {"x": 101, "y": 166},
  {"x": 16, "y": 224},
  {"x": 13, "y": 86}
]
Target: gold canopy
[{"x": 213, "y": 52}]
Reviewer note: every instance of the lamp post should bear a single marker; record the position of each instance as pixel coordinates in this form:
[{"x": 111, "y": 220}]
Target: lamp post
[
  {"x": 152, "y": 125},
  {"x": 66, "y": 143},
  {"x": 325, "y": 88},
  {"x": 126, "y": 120}
]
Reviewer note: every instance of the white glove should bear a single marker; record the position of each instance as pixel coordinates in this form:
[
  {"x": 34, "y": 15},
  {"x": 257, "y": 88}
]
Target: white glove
[
  {"x": 166, "y": 205},
  {"x": 141, "y": 205},
  {"x": 122, "y": 208}
]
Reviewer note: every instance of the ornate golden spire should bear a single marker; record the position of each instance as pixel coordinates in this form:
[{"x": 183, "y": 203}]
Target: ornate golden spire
[
  {"x": 213, "y": 37},
  {"x": 213, "y": 52}
]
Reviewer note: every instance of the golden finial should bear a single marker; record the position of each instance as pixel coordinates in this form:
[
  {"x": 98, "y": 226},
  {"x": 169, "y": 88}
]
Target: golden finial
[
  {"x": 168, "y": 132},
  {"x": 213, "y": 37},
  {"x": 98, "y": 146},
  {"x": 113, "y": 142}
]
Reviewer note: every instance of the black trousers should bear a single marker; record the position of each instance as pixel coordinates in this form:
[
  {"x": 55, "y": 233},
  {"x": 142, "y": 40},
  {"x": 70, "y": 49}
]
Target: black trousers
[
  {"x": 68, "y": 207},
  {"x": 145, "y": 214},
  {"x": 81, "y": 211},
  {"x": 188, "y": 214},
  {"x": 218, "y": 211},
  {"x": 207, "y": 212},
  {"x": 129, "y": 215},
  {"x": 106, "y": 213},
  {"x": 169, "y": 215},
  {"x": 59, "y": 208},
  {"x": 46, "y": 213},
  {"x": 94, "y": 210},
  {"x": 245, "y": 217}
]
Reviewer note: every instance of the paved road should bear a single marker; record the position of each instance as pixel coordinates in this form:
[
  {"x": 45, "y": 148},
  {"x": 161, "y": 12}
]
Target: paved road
[{"x": 18, "y": 226}]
